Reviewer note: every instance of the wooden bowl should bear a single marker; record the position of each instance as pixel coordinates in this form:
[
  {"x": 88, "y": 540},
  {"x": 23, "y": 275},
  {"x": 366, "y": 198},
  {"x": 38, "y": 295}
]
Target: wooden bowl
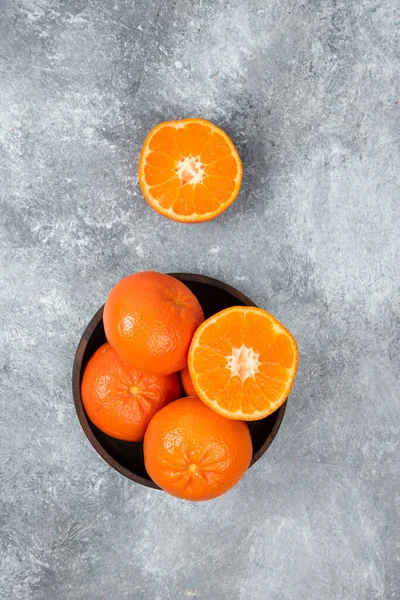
[{"x": 127, "y": 457}]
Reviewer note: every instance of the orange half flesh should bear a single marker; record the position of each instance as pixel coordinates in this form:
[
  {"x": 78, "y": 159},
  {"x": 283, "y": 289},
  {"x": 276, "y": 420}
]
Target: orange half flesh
[
  {"x": 243, "y": 363},
  {"x": 189, "y": 170}
]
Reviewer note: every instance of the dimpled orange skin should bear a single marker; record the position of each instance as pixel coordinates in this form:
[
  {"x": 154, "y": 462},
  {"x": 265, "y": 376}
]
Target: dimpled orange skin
[
  {"x": 187, "y": 383},
  {"x": 149, "y": 319},
  {"x": 193, "y": 453},
  {"x": 121, "y": 400}
]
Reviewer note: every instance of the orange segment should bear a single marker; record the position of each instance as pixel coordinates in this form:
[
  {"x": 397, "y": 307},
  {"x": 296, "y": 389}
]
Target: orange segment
[
  {"x": 167, "y": 193},
  {"x": 220, "y": 187},
  {"x": 199, "y": 135},
  {"x": 216, "y": 148},
  {"x": 224, "y": 168},
  {"x": 281, "y": 351},
  {"x": 155, "y": 175},
  {"x": 211, "y": 361},
  {"x": 184, "y": 202},
  {"x": 164, "y": 140},
  {"x": 183, "y": 141},
  {"x": 195, "y": 154},
  {"x": 253, "y": 396},
  {"x": 243, "y": 362},
  {"x": 160, "y": 161},
  {"x": 219, "y": 378},
  {"x": 204, "y": 200}
]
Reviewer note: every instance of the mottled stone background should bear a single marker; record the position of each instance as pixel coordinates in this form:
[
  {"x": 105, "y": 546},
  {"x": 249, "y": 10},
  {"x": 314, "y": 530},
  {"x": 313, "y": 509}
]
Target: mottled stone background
[{"x": 310, "y": 93}]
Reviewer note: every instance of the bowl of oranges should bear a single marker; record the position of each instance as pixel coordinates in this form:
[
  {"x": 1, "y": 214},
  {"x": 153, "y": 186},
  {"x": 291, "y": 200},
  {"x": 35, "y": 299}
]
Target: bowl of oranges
[{"x": 180, "y": 382}]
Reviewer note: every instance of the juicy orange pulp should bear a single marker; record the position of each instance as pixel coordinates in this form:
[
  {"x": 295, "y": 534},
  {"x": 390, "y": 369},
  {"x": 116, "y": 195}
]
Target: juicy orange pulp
[
  {"x": 243, "y": 362},
  {"x": 189, "y": 170}
]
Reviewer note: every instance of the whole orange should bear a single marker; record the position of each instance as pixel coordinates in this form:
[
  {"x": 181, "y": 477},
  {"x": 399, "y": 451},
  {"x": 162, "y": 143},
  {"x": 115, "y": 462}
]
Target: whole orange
[
  {"x": 193, "y": 453},
  {"x": 187, "y": 383},
  {"x": 149, "y": 319},
  {"x": 119, "y": 399}
]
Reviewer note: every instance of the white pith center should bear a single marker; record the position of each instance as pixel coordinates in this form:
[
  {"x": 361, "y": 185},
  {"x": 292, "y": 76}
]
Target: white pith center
[
  {"x": 243, "y": 362},
  {"x": 190, "y": 170}
]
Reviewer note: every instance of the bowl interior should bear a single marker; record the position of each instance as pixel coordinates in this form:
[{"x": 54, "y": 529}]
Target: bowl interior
[{"x": 127, "y": 457}]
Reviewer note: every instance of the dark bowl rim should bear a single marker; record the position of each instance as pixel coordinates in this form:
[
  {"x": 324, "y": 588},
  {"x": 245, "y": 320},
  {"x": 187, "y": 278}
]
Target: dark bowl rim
[{"x": 76, "y": 383}]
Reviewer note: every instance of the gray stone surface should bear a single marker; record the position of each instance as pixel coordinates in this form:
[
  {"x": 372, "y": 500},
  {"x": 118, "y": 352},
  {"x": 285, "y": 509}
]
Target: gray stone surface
[{"x": 310, "y": 93}]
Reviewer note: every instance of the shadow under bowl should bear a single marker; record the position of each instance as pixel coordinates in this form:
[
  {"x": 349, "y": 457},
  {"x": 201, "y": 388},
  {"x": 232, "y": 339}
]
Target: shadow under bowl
[{"x": 127, "y": 457}]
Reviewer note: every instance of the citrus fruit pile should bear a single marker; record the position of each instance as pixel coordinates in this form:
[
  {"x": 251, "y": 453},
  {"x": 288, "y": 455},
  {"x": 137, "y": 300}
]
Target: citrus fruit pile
[{"x": 239, "y": 365}]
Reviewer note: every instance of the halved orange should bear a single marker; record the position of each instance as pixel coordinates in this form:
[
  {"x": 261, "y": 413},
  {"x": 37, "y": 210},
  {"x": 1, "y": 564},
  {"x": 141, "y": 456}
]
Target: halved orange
[
  {"x": 243, "y": 362},
  {"x": 189, "y": 170}
]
